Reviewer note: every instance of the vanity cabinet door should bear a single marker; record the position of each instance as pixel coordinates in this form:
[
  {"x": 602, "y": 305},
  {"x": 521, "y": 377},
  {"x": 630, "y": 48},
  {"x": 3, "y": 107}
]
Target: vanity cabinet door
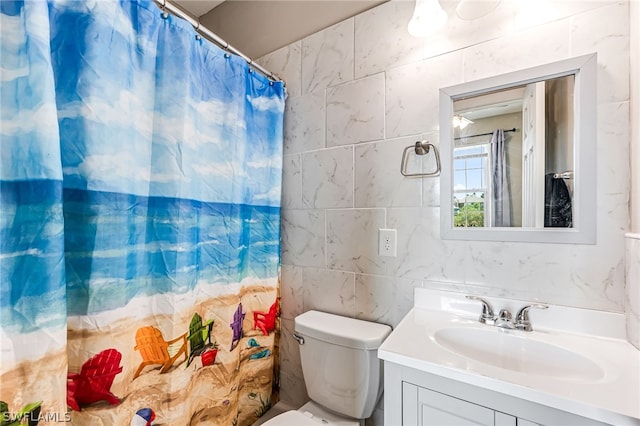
[{"x": 421, "y": 407}]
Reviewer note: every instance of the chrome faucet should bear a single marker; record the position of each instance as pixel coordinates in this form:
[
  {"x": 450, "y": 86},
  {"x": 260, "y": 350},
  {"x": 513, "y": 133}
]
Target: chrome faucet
[
  {"x": 487, "y": 316},
  {"x": 504, "y": 319},
  {"x": 522, "y": 317}
]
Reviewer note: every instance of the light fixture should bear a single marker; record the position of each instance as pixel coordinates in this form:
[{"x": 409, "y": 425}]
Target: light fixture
[
  {"x": 428, "y": 17},
  {"x": 469, "y": 10},
  {"x": 460, "y": 121}
]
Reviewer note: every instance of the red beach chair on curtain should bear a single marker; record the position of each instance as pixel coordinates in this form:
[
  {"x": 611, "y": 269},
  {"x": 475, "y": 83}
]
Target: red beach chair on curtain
[
  {"x": 94, "y": 381},
  {"x": 266, "y": 321}
]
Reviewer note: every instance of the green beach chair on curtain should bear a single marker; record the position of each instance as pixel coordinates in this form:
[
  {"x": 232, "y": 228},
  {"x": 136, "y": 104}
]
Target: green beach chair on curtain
[{"x": 198, "y": 334}]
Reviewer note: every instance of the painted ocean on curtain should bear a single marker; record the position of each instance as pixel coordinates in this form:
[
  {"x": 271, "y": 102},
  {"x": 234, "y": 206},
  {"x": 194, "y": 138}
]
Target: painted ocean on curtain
[
  {"x": 177, "y": 245},
  {"x": 140, "y": 219},
  {"x": 240, "y": 241}
]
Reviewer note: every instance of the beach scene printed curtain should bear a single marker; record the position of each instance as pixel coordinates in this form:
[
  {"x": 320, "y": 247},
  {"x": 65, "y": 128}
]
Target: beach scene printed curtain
[{"x": 139, "y": 220}]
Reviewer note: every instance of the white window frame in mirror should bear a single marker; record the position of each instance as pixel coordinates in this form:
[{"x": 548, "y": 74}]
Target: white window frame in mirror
[{"x": 585, "y": 156}]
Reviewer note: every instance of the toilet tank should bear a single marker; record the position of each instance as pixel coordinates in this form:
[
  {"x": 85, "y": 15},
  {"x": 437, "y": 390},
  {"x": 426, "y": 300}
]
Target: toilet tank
[{"x": 340, "y": 365}]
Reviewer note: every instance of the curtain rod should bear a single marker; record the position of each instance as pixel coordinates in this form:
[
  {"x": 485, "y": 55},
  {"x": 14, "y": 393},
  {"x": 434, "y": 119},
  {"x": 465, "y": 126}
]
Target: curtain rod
[
  {"x": 167, "y": 5},
  {"x": 482, "y": 134}
]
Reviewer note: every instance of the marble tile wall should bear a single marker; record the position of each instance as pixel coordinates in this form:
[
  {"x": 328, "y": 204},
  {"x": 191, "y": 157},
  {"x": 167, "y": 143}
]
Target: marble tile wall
[
  {"x": 632, "y": 289},
  {"x": 362, "y": 90},
  {"x": 632, "y": 300}
]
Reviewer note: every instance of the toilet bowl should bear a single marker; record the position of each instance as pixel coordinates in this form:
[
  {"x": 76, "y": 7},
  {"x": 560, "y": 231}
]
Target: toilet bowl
[{"x": 342, "y": 372}]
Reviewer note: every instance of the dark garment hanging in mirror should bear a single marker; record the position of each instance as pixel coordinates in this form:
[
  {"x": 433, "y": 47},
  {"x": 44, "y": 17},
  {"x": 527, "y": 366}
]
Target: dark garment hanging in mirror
[{"x": 557, "y": 203}]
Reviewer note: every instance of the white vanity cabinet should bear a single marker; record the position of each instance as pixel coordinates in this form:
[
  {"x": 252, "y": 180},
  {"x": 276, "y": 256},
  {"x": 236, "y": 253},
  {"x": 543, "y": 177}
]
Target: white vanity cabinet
[
  {"x": 416, "y": 398},
  {"x": 425, "y": 407}
]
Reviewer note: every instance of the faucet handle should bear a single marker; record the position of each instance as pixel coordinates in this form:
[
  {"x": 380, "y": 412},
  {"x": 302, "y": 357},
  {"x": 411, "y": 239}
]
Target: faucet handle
[
  {"x": 522, "y": 317},
  {"x": 487, "y": 311}
]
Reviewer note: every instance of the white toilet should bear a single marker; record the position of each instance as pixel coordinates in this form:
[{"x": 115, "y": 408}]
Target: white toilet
[{"x": 341, "y": 370}]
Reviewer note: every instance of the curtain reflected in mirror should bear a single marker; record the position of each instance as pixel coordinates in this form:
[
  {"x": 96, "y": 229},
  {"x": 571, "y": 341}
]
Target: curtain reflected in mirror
[{"x": 513, "y": 156}]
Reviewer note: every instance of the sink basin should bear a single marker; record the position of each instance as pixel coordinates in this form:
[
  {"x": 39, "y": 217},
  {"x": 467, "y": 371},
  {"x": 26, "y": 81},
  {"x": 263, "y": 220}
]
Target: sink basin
[{"x": 509, "y": 351}]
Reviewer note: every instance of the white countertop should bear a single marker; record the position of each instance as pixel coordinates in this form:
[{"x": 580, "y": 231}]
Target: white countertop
[{"x": 612, "y": 397}]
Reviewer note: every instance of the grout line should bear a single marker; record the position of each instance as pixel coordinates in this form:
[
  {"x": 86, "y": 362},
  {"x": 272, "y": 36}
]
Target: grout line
[{"x": 366, "y": 274}]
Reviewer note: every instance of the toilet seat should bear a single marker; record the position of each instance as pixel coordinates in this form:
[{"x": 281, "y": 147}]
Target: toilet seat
[
  {"x": 310, "y": 414},
  {"x": 292, "y": 418}
]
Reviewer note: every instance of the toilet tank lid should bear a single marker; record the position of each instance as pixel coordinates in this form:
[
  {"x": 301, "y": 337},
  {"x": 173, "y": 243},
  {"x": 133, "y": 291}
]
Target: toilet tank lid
[{"x": 343, "y": 331}]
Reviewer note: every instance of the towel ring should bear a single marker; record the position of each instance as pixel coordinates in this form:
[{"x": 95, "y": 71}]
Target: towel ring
[{"x": 420, "y": 148}]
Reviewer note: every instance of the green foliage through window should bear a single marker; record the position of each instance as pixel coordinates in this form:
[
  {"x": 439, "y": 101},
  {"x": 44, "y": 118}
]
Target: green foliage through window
[{"x": 468, "y": 215}]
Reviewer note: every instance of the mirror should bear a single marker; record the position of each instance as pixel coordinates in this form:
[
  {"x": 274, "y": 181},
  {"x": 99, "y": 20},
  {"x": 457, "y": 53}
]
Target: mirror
[{"x": 519, "y": 155}]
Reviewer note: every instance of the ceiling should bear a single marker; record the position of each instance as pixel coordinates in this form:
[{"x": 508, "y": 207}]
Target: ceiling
[
  {"x": 258, "y": 27},
  {"x": 198, "y": 7}
]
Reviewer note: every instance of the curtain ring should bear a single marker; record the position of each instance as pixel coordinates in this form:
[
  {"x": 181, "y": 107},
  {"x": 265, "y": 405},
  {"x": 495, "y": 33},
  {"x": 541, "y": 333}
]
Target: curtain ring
[
  {"x": 198, "y": 36},
  {"x": 164, "y": 13}
]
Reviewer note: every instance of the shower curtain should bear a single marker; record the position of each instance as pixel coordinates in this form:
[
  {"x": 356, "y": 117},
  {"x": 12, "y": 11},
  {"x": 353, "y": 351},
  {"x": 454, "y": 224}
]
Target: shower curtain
[
  {"x": 140, "y": 190},
  {"x": 501, "y": 215}
]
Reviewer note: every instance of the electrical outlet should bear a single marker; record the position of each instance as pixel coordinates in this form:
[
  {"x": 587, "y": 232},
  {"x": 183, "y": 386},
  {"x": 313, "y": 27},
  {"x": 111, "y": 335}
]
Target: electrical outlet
[{"x": 387, "y": 242}]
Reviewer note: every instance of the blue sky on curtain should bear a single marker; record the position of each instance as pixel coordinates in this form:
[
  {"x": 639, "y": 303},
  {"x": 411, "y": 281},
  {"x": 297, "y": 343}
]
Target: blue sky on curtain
[{"x": 155, "y": 160}]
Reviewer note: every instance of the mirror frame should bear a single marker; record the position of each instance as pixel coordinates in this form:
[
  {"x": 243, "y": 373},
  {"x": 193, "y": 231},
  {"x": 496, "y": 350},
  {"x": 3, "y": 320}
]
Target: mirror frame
[{"x": 584, "y": 154}]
